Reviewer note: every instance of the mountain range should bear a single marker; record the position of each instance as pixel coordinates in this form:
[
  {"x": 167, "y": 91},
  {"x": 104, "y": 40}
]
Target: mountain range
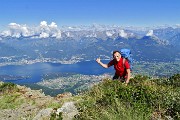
[{"x": 160, "y": 44}]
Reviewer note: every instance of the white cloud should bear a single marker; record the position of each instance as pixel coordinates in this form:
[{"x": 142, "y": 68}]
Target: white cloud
[
  {"x": 53, "y": 25},
  {"x": 43, "y": 24},
  {"x": 49, "y": 30},
  {"x": 57, "y": 35},
  {"x": 16, "y": 30},
  {"x": 54, "y": 31},
  {"x": 42, "y": 31},
  {"x": 44, "y": 35},
  {"x": 5, "y": 33}
]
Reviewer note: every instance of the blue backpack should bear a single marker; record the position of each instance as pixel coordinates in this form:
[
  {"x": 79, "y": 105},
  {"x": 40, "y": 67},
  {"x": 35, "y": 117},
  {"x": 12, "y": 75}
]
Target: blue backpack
[{"x": 126, "y": 53}]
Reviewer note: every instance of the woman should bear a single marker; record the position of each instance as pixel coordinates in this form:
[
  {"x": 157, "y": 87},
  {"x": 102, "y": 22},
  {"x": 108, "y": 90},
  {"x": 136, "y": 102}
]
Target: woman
[{"x": 121, "y": 66}]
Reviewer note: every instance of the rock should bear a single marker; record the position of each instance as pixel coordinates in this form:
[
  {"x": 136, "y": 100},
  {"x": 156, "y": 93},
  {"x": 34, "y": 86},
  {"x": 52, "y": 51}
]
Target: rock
[
  {"x": 34, "y": 94},
  {"x": 68, "y": 110},
  {"x": 43, "y": 114},
  {"x": 34, "y": 105},
  {"x": 64, "y": 95}
]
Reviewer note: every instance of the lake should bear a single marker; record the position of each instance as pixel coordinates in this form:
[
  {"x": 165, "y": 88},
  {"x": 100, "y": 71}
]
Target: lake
[{"x": 32, "y": 73}]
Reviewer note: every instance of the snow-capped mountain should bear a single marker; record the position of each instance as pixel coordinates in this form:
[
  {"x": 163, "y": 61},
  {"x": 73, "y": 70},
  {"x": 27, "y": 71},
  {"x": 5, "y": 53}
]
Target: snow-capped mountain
[
  {"x": 48, "y": 42},
  {"x": 45, "y": 30}
]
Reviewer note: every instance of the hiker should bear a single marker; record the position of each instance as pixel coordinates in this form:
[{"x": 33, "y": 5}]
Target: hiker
[{"x": 121, "y": 66}]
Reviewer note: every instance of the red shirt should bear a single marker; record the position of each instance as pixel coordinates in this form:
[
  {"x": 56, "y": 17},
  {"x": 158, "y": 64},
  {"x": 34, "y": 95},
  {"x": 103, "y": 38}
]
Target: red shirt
[{"x": 119, "y": 67}]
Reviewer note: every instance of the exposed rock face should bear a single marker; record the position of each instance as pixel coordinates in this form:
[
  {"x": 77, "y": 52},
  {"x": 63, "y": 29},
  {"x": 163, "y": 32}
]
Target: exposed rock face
[
  {"x": 37, "y": 106},
  {"x": 43, "y": 114},
  {"x": 69, "y": 110}
]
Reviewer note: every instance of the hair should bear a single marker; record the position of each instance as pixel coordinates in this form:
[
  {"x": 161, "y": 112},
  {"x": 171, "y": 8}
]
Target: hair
[{"x": 116, "y": 51}]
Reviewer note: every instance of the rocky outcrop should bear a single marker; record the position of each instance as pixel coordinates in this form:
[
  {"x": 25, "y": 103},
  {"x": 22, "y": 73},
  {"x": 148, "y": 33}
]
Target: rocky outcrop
[
  {"x": 37, "y": 106},
  {"x": 43, "y": 114},
  {"x": 69, "y": 110}
]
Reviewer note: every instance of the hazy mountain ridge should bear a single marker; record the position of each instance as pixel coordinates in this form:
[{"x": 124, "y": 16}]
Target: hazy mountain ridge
[{"x": 160, "y": 44}]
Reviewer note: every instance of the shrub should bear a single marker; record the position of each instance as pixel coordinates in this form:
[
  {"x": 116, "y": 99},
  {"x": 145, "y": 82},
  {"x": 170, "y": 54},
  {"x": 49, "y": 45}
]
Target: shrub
[
  {"x": 8, "y": 88},
  {"x": 175, "y": 80}
]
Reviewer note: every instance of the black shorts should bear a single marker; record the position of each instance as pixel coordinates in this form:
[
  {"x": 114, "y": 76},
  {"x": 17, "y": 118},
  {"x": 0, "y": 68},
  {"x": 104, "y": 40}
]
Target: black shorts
[{"x": 117, "y": 77}]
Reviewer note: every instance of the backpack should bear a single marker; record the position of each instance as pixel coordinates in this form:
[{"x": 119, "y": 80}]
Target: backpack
[{"x": 126, "y": 53}]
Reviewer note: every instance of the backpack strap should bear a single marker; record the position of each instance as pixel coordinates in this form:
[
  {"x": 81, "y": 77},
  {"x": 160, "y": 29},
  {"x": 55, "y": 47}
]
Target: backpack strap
[{"x": 124, "y": 59}]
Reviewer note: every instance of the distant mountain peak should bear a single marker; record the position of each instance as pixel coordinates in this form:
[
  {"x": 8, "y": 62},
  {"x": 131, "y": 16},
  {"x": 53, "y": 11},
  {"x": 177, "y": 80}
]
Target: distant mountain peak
[
  {"x": 123, "y": 34},
  {"x": 150, "y": 33}
]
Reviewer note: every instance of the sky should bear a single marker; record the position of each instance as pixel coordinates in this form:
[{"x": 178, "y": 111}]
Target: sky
[{"x": 87, "y": 12}]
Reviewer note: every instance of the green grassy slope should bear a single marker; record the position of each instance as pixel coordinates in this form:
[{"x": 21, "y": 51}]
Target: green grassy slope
[{"x": 143, "y": 99}]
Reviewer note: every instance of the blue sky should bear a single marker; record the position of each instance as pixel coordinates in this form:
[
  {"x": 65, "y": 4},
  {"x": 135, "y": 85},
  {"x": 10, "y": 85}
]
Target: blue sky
[{"x": 87, "y": 12}]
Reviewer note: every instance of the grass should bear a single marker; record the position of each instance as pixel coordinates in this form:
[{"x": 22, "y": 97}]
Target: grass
[
  {"x": 9, "y": 97},
  {"x": 143, "y": 99},
  {"x": 6, "y": 88},
  {"x": 52, "y": 104},
  {"x": 10, "y": 101}
]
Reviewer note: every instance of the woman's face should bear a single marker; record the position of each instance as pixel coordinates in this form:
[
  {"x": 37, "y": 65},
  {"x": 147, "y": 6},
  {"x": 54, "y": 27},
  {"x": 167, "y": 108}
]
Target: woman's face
[{"x": 117, "y": 56}]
